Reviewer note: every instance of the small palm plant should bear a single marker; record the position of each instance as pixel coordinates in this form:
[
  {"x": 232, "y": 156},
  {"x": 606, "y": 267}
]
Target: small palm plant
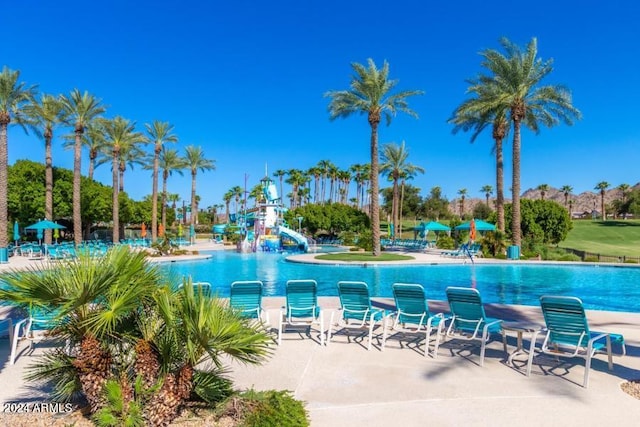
[{"x": 125, "y": 322}]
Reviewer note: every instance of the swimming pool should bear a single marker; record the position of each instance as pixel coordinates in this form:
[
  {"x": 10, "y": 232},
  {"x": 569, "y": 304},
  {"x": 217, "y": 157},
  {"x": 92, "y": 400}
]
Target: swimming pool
[{"x": 599, "y": 287}]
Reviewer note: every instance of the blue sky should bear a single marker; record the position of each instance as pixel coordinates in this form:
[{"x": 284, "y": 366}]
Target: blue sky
[{"x": 245, "y": 80}]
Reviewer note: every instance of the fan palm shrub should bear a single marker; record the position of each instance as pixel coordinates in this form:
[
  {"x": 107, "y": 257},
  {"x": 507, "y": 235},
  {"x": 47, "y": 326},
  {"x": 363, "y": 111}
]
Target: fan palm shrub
[{"x": 123, "y": 321}]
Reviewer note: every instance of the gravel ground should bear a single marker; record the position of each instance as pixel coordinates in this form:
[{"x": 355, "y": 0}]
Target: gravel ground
[{"x": 632, "y": 388}]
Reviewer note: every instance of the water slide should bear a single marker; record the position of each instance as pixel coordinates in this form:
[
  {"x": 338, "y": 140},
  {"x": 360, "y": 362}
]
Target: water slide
[{"x": 297, "y": 237}]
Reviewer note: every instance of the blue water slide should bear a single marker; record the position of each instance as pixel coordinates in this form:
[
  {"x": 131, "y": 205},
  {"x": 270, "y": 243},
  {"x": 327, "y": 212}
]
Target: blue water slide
[{"x": 301, "y": 241}]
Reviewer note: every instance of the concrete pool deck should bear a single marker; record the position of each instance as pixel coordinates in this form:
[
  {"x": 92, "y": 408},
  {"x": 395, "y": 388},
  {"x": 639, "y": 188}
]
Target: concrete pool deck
[{"x": 343, "y": 384}]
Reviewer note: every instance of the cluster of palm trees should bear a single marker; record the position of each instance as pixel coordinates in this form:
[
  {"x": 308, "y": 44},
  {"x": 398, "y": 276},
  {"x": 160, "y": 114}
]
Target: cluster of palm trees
[
  {"x": 508, "y": 96},
  {"x": 114, "y": 141}
]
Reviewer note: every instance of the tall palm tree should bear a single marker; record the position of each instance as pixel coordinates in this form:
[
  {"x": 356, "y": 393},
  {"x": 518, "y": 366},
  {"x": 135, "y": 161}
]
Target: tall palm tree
[
  {"x": 566, "y": 191},
  {"x": 14, "y": 96},
  {"x": 45, "y": 114},
  {"x": 280, "y": 173},
  {"x": 296, "y": 178},
  {"x": 345, "y": 179},
  {"x": 543, "y": 189},
  {"x": 120, "y": 135},
  {"x": 159, "y": 134},
  {"x": 324, "y": 166},
  {"x": 196, "y": 161},
  {"x": 130, "y": 155},
  {"x": 624, "y": 189},
  {"x": 602, "y": 188},
  {"x": 514, "y": 85},
  {"x": 82, "y": 109},
  {"x": 370, "y": 93},
  {"x": 463, "y": 194},
  {"x": 356, "y": 169},
  {"x": 395, "y": 166},
  {"x": 315, "y": 172},
  {"x": 169, "y": 161},
  {"x": 226, "y": 198},
  {"x": 488, "y": 191},
  {"x": 477, "y": 113},
  {"x": 237, "y": 193}
]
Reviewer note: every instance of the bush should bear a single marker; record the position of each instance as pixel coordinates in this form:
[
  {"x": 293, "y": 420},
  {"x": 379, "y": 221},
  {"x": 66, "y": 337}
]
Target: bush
[
  {"x": 591, "y": 259},
  {"x": 365, "y": 241},
  {"x": 445, "y": 242},
  {"x": 348, "y": 238},
  {"x": 265, "y": 409}
]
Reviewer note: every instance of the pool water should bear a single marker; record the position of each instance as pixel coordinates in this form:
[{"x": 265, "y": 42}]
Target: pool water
[{"x": 599, "y": 287}]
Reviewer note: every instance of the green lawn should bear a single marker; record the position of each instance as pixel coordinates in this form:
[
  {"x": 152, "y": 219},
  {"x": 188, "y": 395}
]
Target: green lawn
[
  {"x": 619, "y": 237},
  {"x": 363, "y": 256}
]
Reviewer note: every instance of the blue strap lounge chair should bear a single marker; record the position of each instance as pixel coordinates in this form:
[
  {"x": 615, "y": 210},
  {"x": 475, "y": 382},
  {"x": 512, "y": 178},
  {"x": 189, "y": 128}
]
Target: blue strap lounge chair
[
  {"x": 301, "y": 309},
  {"x": 246, "y": 297},
  {"x": 413, "y": 316},
  {"x": 31, "y": 328},
  {"x": 356, "y": 312},
  {"x": 469, "y": 321},
  {"x": 568, "y": 333}
]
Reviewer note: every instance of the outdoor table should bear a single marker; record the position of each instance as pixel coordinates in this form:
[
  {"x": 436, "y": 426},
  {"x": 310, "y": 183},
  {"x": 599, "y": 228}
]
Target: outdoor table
[{"x": 520, "y": 328}]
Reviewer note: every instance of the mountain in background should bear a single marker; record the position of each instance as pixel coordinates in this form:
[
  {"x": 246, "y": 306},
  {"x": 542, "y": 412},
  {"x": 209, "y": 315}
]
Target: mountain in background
[{"x": 583, "y": 202}]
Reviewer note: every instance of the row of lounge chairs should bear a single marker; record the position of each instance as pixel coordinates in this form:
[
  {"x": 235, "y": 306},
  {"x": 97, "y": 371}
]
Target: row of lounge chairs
[
  {"x": 465, "y": 250},
  {"x": 566, "y": 331},
  {"x": 407, "y": 244}
]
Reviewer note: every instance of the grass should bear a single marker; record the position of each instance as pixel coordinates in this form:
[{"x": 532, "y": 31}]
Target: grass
[
  {"x": 613, "y": 237},
  {"x": 362, "y": 256}
]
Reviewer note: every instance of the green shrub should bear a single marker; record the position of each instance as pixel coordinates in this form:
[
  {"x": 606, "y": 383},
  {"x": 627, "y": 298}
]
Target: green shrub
[
  {"x": 630, "y": 261},
  {"x": 591, "y": 259},
  {"x": 365, "y": 240},
  {"x": 275, "y": 408},
  {"x": 445, "y": 242},
  {"x": 348, "y": 238},
  {"x": 569, "y": 257}
]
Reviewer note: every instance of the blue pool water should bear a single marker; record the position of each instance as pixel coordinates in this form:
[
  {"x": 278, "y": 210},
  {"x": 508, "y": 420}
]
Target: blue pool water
[{"x": 599, "y": 287}]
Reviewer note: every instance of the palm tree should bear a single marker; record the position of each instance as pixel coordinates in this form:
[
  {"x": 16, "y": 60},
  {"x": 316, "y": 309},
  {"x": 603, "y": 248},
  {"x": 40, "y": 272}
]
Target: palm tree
[
  {"x": 82, "y": 109},
  {"x": 566, "y": 191},
  {"x": 280, "y": 173},
  {"x": 226, "y": 198},
  {"x": 395, "y": 166},
  {"x": 237, "y": 192},
  {"x": 130, "y": 154},
  {"x": 345, "y": 178},
  {"x": 543, "y": 189},
  {"x": 169, "y": 161},
  {"x": 514, "y": 86},
  {"x": 487, "y": 190},
  {"x": 602, "y": 188},
  {"x": 296, "y": 178},
  {"x": 159, "y": 134},
  {"x": 625, "y": 189},
  {"x": 196, "y": 161},
  {"x": 324, "y": 166},
  {"x": 45, "y": 114},
  {"x": 14, "y": 97},
  {"x": 462, "y": 193},
  {"x": 476, "y": 114},
  {"x": 120, "y": 135},
  {"x": 371, "y": 93}
]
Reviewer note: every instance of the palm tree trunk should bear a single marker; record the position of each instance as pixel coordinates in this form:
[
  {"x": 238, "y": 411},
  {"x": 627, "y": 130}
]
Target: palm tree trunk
[
  {"x": 400, "y": 208},
  {"x": 116, "y": 205},
  {"x": 516, "y": 233},
  {"x": 604, "y": 214},
  {"x": 500, "y": 184},
  {"x": 194, "y": 212},
  {"x": 375, "y": 216},
  {"x": 93, "y": 154},
  {"x": 121, "y": 179},
  {"x": 48, "y": 185},
  {"x": 394, "y": 207},
  {"x": 77, "y": 207},
  {"x": 165, "y": 176},
  {"x": 154, "y": 194},
  {"x": 4, "y": 214}
]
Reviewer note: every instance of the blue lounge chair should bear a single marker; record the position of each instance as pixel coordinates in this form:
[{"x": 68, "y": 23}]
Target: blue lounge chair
[
  {"x": 302, "y": 309},
  {"x": 356, "y": 312},
  {"x": 246, "y": 297},
  {"x": 412, "y": 315},
  {"x": 469, "y": 321},
  {"x": 568, "y": 333},
  {"x": 31, "y": 328}
]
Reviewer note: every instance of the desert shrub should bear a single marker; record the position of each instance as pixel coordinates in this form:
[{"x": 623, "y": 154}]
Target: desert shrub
[
  {"x": 275, "y": 408},
  {"x": 445, "y": 242},
  {"x": 365, "y": 240}
]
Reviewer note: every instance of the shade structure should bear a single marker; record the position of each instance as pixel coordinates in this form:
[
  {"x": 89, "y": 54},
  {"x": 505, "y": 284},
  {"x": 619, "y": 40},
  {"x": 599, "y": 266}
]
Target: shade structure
[
  {"x": 436, "y": 226},
  {"x": 40, "y": 234},
  {"x": 143, "y": 230},
  {"x": 16, "y": 231},
  {"x": 45, "y": 224},
  {"x": 479, "y": 224}
]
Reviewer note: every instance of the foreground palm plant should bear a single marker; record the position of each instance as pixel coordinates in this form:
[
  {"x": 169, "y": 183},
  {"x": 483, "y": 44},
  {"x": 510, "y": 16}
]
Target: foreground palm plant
[{"x": 124, "y": 322}]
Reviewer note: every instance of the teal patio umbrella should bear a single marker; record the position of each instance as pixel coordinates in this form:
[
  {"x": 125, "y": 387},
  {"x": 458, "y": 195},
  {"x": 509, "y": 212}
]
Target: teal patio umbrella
[
  {"x": 16, "y": 232},
  {"x": 45, "y": 224},
  {"x": 480, "y": 225}
]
